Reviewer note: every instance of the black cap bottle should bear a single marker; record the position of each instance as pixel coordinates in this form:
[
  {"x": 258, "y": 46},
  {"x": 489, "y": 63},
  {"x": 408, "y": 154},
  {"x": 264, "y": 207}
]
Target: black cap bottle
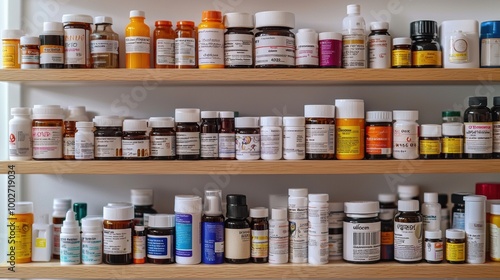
[
  {"x": 478, "y": 140},
  {"x": 237, "y": 230},
  {"x": 495, "y": 115},
  {"x": 426, "y": 51}
]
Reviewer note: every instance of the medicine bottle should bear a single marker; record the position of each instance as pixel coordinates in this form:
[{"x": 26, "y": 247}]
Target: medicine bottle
[
  {"x": 458, "y": 210},
  {"x": 426, "y": 51},
  {"x": 433, "y": 246},
  {"x": 379, "y": 45},
  {"x": 139, "y": 244},
  {"x": 227, "y": 135},
  {"x": 108, "y": 137},
  {"x": 350, "y": 128},
  {"x": 361, "y": 220},
  {"x": 186, "y": 54},
  {"x": 278, "y": 236},
  {"x": 299, "y": 225},
  {"x": 30, "y": 52},
  {"x": 164, "y": 44},
  {"x": 118, "y": 222},
  {"x": 495, "y": 117},
  {"x": 71, "y": 243},
  {"x": 271, "y": 138},
  {"x": 20, "y": 134},
  {"x": 430, "y": 141},
  {"x": 77, "y": 30},
  {"x": 247, "y": 138},
  {"x": 188, "y": 209},
  {"x": 378, "y": 135},
  {"x": 41, "y": 240},
  {"x": 335, "y": 230},
  {"x": 104, "y": 44},
  {"x": 11, "y": 48},
  {"x": 405, "y": 137},
  {"x": 162, "y": 138},
  {"x": 187, "y": 135},
  {"x": 495, "y": 232},
  {"x": 408, "y": 192},
  {"x": 401, "y": 52},
  {"x": 408, "y": 232},
  {"x": 354, "y": 39},
  {"x": 320, "y": 131},
  {"x": 490, "y": 33},
  {"x": 60, "y": 207},
  {"x": 330, "y": 50},
  {"x": 317, "y": 236},
  {"x": 209, "y": 135},
  {"x": 455, "y": 246},
  {"x": 137, "y": 41},
  {"x": 84, "y": 140},
  {"x": 47, "y": 132},
  {"x": 478, "y": 126},
  {"x": 294, "y": 138},
  {"x": 52, "y": 46},
  {"x": 451, "y": 116},
  {"x": 135, "y": 141},
  {"x": 237, "y": 230},
  {"x": 142, "y": 199},
  {"x": 160, "y": 240},
  {"x": 306, "y": 50},
  {"x": 388, "y": 208},
  {"x": 92, "y": 240},
  {"x": 431, "y": 212},
  {"x": 453, "y": 140},
  {"x": 259, "y": 226},
  {"x": 475, "y": 229},
  {"x": 20, "y": 221},
  {"x": 212, "y": 228},
  {"x": 211, "y": 40},
  {"x": 238, "y": 40},
  {"x": 76, "y": 113},
  {"x": 274, "y": 40}
]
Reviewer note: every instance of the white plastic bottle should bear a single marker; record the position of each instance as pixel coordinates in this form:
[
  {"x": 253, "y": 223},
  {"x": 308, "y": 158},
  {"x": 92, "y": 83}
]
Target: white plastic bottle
[
  {"x": 317, "y": 237},
  {"x": 405, "y": 144},
  {"x": 475, "y": 228},
  {"x": 92, "y": 240},
  {"x": 271, "y": 138},
  {"x": 84, "y": 140},
  {"x": 306, "y": 48},
  {"x": 297, "y": 215},
  {"x": 70, "y": 240},
  {"x": 42, "y": 237},
  {"x": 431, "y": 212},
  {"x": 294, "y": 138},
  {"x": 278, "y": 236},
  {"x": 354, "y": 39},
  {"x": 20, "y": 134},
  {"x": 188, "y": 209}
]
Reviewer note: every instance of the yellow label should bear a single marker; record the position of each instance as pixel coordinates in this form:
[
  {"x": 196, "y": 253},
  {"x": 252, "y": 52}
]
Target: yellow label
[
  {"x": 349, "y": 140},
  {"x": 453, "y": 145},
  {"x": 353, "y": 42},
  {"x": 40, "y": 242},
  {"x": 430, "y": 147},
  {"x": 455, "y": 252},
  {"x": 426, "y": 58},
  {"x": 10, "y": 55},
  {"x": 20, "y": 227},
  {"x": 401, "y": 58}
]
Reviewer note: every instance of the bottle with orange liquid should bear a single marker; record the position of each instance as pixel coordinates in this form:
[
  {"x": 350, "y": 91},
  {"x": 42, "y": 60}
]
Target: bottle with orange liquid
[
  {"x": 137, "y": 41},
  {"x": 211, "y": 40}
]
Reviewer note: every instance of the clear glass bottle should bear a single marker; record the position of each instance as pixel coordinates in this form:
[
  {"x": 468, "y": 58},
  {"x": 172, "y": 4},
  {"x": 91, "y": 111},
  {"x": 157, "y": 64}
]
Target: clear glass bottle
[{"x": 104, "y": 44}]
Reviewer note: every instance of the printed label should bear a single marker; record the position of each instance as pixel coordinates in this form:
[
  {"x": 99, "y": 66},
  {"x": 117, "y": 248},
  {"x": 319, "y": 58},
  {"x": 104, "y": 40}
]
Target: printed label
[
  {"x": 185, "y": 51},
  {"x": 297, "y": 212},
  {"x": 40, "y": 242},
  {"x": 433, "y": 251},
  {"x": 426, "y": 58},
  {"x": 478, "y": 138},
  {"x": 91, "y": 249},
  {"x": 103, "y": 46},
  {"x": 209, "y": 145},
  {"x": 187, "y": 143},
  {"x": 56, "y": 241},
  {"x": 307, "y": 54},
  {"x": 335, "y": 220},
  {"x": 459, "y": 49},
  {"x": 10, "y": 55},
  {"x": 70, "y": 250},
  {"x": 401, "y": 58},
  {"x": 455, "y": 252},
  {"x": 21, "y": 237},
  {"x": 271, "y": 142},
  {"x": 237, "y": 243},
  {"x": 76, "y": 46},
  {"x": 108, "y": 147},
  {"x": 380, "y": 51},
  {"x": 430, "y": 147},
  {"x": 490, "y": 52},
  {"x": 238, "y": 49},
  {"x": 69, "y": 146},
  {"x": 135, "y": 148},
  {"x": 496, "y": 137},
  {"x": 294, "y": 142},
  {"x": 495, "y": 241},
  {"x": 30, "y": 56},
  {"x": 349, "y": 139},
  {"x": 408, "y": 241},
  {"x": 278, "y": 242},
  {"x": 453, "y": 145},
  {"x": 354, "y": 51},
  {"x": 165, "y": 51},
  {"x": 51, "y": 54},
  {"x": 139, "y": 247},
  {"x": 227, "y": 148},
  {"x": 275, "y": 50},
  {"x": 260, "y": 244},
  {"x": 318, "y": 249},
  {"x": 247, "y": 146},
  {"x": 47, "y": 142},
  {"x": 362, "y": 241},
  {"x": 405, "y": 142},
  {"x": 159, "y": 246},
  {"x": 458, "y": 220},
  {"x": 476, "y": 241},
  {"x": 318, "y": 214},
  {"x": 210, "y": 46},
  {"x": 213, "y": 242},
  {"x": 117, "y": 241},
  {"x": 84, "y": 146},
  {"x": 320, "y": 138},
  {"x": 378, "y": 140},
  {"x": 137, "y": 44},
  {"x": 20, "y": 140},
  {"x": 183, "y": 235},
  {"x": 335, "y": 246},
  {"x": 330, "y": 53},
  {"x": 162, "y": 146}
]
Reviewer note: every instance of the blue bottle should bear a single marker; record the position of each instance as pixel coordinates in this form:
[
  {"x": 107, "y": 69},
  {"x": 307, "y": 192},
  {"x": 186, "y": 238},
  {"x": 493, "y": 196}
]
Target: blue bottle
[{"x": 212, "y": 229}]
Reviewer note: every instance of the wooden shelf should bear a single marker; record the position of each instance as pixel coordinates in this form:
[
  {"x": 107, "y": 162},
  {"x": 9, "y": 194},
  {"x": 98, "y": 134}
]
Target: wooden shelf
[
  {"x": 257, "y": 76},
  {"x": 260, "y": 167}
]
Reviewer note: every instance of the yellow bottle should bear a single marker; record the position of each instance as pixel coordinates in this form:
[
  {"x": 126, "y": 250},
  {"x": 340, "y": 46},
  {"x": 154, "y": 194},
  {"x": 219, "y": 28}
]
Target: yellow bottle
[
  {"x": 19, "y": 231},
  {"x": 350, "y": 128},
  {"x": 495, "y": 232},
  {"x": 137, "y": 41},
  {"x": 11, "y": 55},
  {"x": 211, "y": 40}
]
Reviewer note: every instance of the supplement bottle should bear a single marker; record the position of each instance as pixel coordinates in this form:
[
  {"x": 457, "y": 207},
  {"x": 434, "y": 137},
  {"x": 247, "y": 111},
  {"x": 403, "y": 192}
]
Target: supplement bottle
[
  {"x": 20, "y": 222},
  {"x": 259, "y": 226},
  {"x": 77, "y": 30},
  {"x": 379, "y": 45},
  {"x": 405, "y": 144},
  {"x": 186, "y": 55},
  {"x": 350, "y": 128},
  {"x": 160, "y": 240},
  {"x": 451, "y": 116},
  {"x": 60, "y": 207},
  {"x": 247, "y": 138},
  {"x": 108, "y": 137},
  {"x": 188, "y": 210},
  {"x": 47, "y": 132},
  {"x": 139, "y": 244},
  {"x": 227, "y": 135},
  {"x": 76, "y": 113},
  {"x": 361, "y": 232},
  {"x": 431, "y": 212},
  {"x": 41, "y": 240},
  {"x": 495, "y": 117},
  {"x": 426, "y": 51},
  {"x": 162, "y": 138},
  {"x": 211, "y": 40},
  {"x": 142, "y": 199},
  {"x": 433, "y": 246},
  {"x": 460, "y": 43},
  {"x": 478, "y": 142},
  {"x": 20, "y": 134},
  {"x": 317, "y": 236},
  {"x": 430, "y": 141},
  {"x": 306, "y": 50},
  {"x": 335, "y": 230},
  {"x": 164, "y": 44},
  {"x": 52, "y": 46},
  {"x": 408, "y": 192},
  {"x": 455, "y": 246},
  {"x": 320, "y": 131},
  {"x": 137, "y": 41},
  {"x": 274, "y": 40},
  {"x": 401, "y": 52},
  {"x": 475, "y": 228},
  {"x": 237, "y": 230},
  {"x": 84, "y": 140},
  {"x": 453, "y": 140},
  {"x": 354, "y": 39},
  {"x": 299, "y": 225},
  {"x": 187, "y": 136},
  {"x": 212, "y": 228},
  {"x": 278, "y": 236},
  {"x": 294, "y": 138},
  {"x": 118, "y": 222},
  {"x": 445, "y": 212},
  {"x": 330, "y": 50},
  {"x": 408, "y": 232},
  {"x": 495, "y": 232},
  {"x": 70, "y": 240},
  {"x": 388, "y": 208},
  {"x": 135, "y": 141},
  {"x": 30, "y": 52},
  {"x": 490, "y": 33},
  {"x": 378, "y": 135},
  {"x": 458, "y": 210},
  {"x": 91, "y": 240},
  {"x": 271, "y": 138},
  {"x": 11, "y": 48},
  {"x": 209, "y": 135},
  {"x": 104, "y": 44},
  {"x": 238, "y": 40}
]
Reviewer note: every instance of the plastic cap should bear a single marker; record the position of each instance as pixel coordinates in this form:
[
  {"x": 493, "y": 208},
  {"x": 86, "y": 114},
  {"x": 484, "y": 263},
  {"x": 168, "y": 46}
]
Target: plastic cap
[
  {"x": 294, "y": 121},
  {"x": 236, "y": 206},
  {"x": 319, "y": 111},
  {"x": 306, "y": 36},
  {"x": 23, "y": 207},
  {"x": 161, "y": 221},
  {"x": 279, "y": 214},
  {"x": 431, "y": 197},
  {"x": 408, "y": 191},
  {"x": 62, "y": 204},
  {"x": 161, "y": 122},
  {"x": 108, "y": 121},
  {"x": 209, "y": 114},
  {"x": 386, "y": 197},
  {"x": 490, "y": 190},
  {"x": 408, "y": 205},
  {"x": 135, "y": 125},
  {"x": 450, "y": 114},
  {"x": 496, "y": 101},
  {"x": 353, "y": 9},
  {"x": 402, "y": 115},
  {"x": 80, "y": 209},
  {"x": 12, "y": 34},
  {"x": 423, "y": 28},
  {"x": 77, "y": 18},
  {"x": 243, "y": 122},
  {"x": 167, "y": 23},
  {"x": 379, "y": 116},
  {"x": 475, "y": 198},
  {"x": 103, "y": 19},
  {"x": 430, "y": 130},
  {"x": 433, "y": 234},
  {"x": 271, "y": 121},
  {"x": 495, "y": 209},
  {"x": 274, "y": 19},
  {"x": 20, "y": 111},
  {"x": 401, "y": 41},
  {"x": 137, "y": 13},
  {"x": 141, "y": 197},
  {"x": 92, "y": 224},
  {"x": 259, "y": 212},
  {"x": 458, "y": 197},
  {"x": 187, "y": 115},
  {"x": 330, "y": 36},
  {"x": 77, "y": 113},
  {"x": 226, "y": 114},
  {"x": 350, "y": 108},
  {"x": 30, "y": 40},
  {"x": 443, "y": 200},
  {"x": 302, "y": 192},
  {"x": 478, "y": 101},
  {"x": 47, "y": 112},
  {"x": 379, "y": 25},
  {"x": 213, "y": 202},
  {"x": 452, "y": 129},
  {"x": 118, "y": 213},
  {"x": 119, "y": 203},
  {"x": 186, "y": 23},
  {"x": 84, "y": 124},
  {"x": 318, "y": 197},
  {"x": 53, "y": 28},
  {"x": 242, "y": 20},
  {"x": 211, "y": 16},
  {"x": 455, "y": 233},
  {"x": 70, "y": 224},
  {"x": 187, "y": 204},
  {"x": 361, "y": 207},
  {"x": 336, "y": 207},
  {"x": 490, "y": 29}
]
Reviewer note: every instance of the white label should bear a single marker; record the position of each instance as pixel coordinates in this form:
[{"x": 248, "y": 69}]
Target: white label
[
  {"x": 91, "y": 249},
  {"x": 431, "y": 216},
  {"x": 297, "y": 212},
  {"x": 227, "y": 147},
  {"x": 275, "y": 50},
  {"x": 103, "y": 46},
  {"x": 137, "y": 44},
  {"x": 84, "y": 145},
  {"x": 260, "y": 244},
  {"x": 47, "y": 142},
  {"x": 407, "y": 241},
  {"x": 433, "y": 251},
  {"x": 459, "y": 49},
  {"x": 318, "y": 213},
  {"x": 139, "y": 247},
  {"x": 335, "y": 244},
  {"x": 380, "y": 51},
  {"x": 478, "y": 138},
  {"x": 238, "y": 49},
  {"x": 317, "y": 249},
  {"x": 76, "y": 48},
  {"x": 185, "y": 51},
  {"x": 210, "y": 46},
  {"x": 495, "y": 241},
  {"x": 117, "y": 241},
  {"x": 209, "y": 145},
  {"x": 108, "y": 147},
  {"x": 30, "y": 59},
  {"x": 405, "y": 141},
  {"x": 51, "y": 54},
  {"x": 496, "y": 137},
  {"x": 298, "y": 241},
  {"x": 70, "y": 250},
  {"x": 247, "y": 146},
  {"x": 490, "y": 52},
  {"x": 475, "y": 235},
  {"x": 162, "y": 146},
  {"x": 165, "y": 52},
  {"x": 20, "y": 140},
  {"x": 278, "y": 241},
  {"x": 294, "y": 142},
  {"x": 69, "y": 146},
  {"x": 354, "y": 51},
  {"x": 362, "y": 242},
  {"x": 237, "y": 243},
  {"x": 271, "y": 143},
  {"x": 335, "y": 220},
  {"x": 135, "y": 148},
  {"x": 320, "y": 138},
  {"x": 187, "y": 143},
  {"x": 307, "y": 54},
  {"x": 56, "y": 248}
]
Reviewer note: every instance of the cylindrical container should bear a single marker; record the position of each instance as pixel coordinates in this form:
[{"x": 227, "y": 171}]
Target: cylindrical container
[
  {"x": 330, "y": 50},
  {"x": 142, "y": 199},
  {"x": 212, "y": 228},
  {"x": 209, "y": 135},
  {"x": 227, "y": 135},
  {"x": 433, "y": 246},
  {"x": 84, "y": 140},
  {"x": 137, "y": 41},
  {"x": 164, "y": 44},
  {"x": 490, "y": 190},
  {"x": 408, "y": 232},
  {"x": 135, "y": 141},
  {"x": 431, "y": 212},
  {"x": 162, "y": 138},
  {"x": 278, "y": 236},
  {"x": 77, "y": 30},
  {"x": 388, "y": 208},
  {"x": 76, "y": 113},
  {"x": 185, "y": 45},
  {"x": 453, "y": 140},
  {"x": 317, "y": 236},
  {"x": 47, "y": 132},
  {"x": 451, "y": 116},
  {"x": 361, "y": 232},
  {"x": 60, "y": 206},
  {"x": 70, "y": 240},
  {"x": 460, "y": 43},
  {"x": 104, "y": 44},
  {"x": 259, "y": 226},
  {"x": 458, "y": 210},
  {"x": 478, "y": 126},
  {"x": 20, "y": 127},
  {"x": 271, "y": 138},
  {"x": 317, "y": 211},
  {"x": 401, "y": 52},
  {"x": 320, "y": 131},
  {"x": 20, "y": 222},
  {"x": 378, "y": 135},
  {"x": 350, "y": 128},
  {"x": 188, "y": 210},
  {"x": 108, "y": 137},
  {"x": 30, "y": 52},
  {"x": 91, "y": 240},
  {"x": 294, "y": 138},
  {"x": 445, "y": 213},
  {"x": 379, "y": 45},
  {"x": 306, "y": 50},
  {"x": 274, "y": 40},
  {"x": 237, "y": 230},
  {"x": 495, "y": 117},
  {"x": 490, "y": 53},
  {"x": 52, "y": 46},
  {"x": 160, "y": 239},
  {"x": 475, "y": 228},
  {"x": 247, "y": 138},
  {"x": 118, "y": 222},
  {"x": 408, "y": 192},
  {"x": 211, "y": 40},
  {"x": 238, "y": 40},
  {"x": 335, "y": 230},
  {"x": 354, "y": 42},
  {"x": 187, "y": 135},
  {"x": 495, "y": 232},
  {"x": 139, "y": 244},
  {"x": 426, "y": 51},
  {"x": 455, "y": 246},
  {"x": 11, "y": 50},
  {"x": 297, "y": 215},
  {"x": 430, "y": 141},
  {"x": 405, "y": 145}
]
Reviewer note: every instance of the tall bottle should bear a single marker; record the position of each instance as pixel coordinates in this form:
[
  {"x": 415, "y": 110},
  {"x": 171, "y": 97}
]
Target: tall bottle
[
  {"x": 164, "y": 44},
  {"x": 388, "y": 209},
  {"x": 237, "y": 230},
  {"x": 354, "y": 39},
  {"x": 212, "y": 229},
  {"x": 495, "y": 114},
  {"x": 104, "y": 44},
  {"x": 61, "y": 206},
  {"x": 211, "y": 40},
  {"x": 475, "y": 228},
  {"x": 431, "y": 212},
  {"x": 137, "y": 41},
  {"x": 70, "y": 240},
  {"x": 142, "y": 199},
  {"x": 278, "y": 236},
  {"x": 478, "y": 141},
  {"x": 20, "y": 127}
]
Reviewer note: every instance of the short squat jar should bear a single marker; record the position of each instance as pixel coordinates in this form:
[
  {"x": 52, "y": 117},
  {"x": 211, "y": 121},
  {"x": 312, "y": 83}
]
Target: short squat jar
[
  {"x": 135, "y": 141},
  {"x": 187, "y": 135},
  {"x": 108, "y": 137},
  {"x": 162, "y": 138},
  {"x": 247, "y": 138},
  {"x": 430, "y": 141}
]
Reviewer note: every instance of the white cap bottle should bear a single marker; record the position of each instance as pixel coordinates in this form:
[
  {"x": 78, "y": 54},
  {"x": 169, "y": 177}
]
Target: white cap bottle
[
  {"x": 475, "y": 228},
  {"x": 70, "y": 240}
]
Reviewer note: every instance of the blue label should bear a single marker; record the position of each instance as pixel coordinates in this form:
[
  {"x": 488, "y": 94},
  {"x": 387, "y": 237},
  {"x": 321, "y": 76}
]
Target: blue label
[
  {"x": 184, "y": 235},
  {"x": 159, "y": 247},
  {"x": 458, "y": 220},
  {"x": 212, "y": 248}
]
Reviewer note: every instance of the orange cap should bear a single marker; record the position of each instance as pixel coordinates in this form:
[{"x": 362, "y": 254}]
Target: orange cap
[
  {"x": 163, "y": 23},
  {"x": 185, "y": 23},
  {"x": 211, "y": 16}
]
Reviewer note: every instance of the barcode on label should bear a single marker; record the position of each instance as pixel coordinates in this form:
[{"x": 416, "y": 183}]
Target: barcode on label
[{"x": 366, "y": 238}]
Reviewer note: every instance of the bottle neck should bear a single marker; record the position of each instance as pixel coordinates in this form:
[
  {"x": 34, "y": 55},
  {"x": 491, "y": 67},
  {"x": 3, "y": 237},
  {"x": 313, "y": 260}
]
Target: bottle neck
[
  {"x": 104, "y": 27},
  {"x": 137, "y": 19}
]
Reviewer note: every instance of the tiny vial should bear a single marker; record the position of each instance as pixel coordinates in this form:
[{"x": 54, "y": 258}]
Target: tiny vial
[
  {"x": 212, "y": 228},
  {"x": 354, "y": 39},
  {"x": 335, "y": 230},
  {"x": 187, "y": 135},
  {"x": 408, "y": 232},
  {"x": 84, "y": 140},
  {"x": 317, "y": 237},
  {"x": 320, "y": 131},
  {"x": 237, "y": 230},
  {"x": 294, "y": 138},
  {"x": 108, "y": 137},
  {"x": 104, "y": 44},
  {"x": 211, "y": 40},
  {"x": 91, "y": 240},
  {"x": 137, "y": 41},
  {"x": 30, "y": 52},
  {"x": 350, "y": 128},
  {"x": 405, "y": 144},
  {"x": 139, "y": 245},
  {"x": 475, "y": 228},
  {"x": 60, "y": 207},
  {"x": 188, "y": 209},
  {"x": 77, "y": 30},
  {"x": 11, "y": 50},
  {"x": 451, "y": 116},
  {"x": 306, "y": 48},
  {"x": 478, "y": 126},
  {"x": 495, "y": 232},
  {"x": 227, "y": 135},
  {"x": 453, "y": 140},
  {"x": 259, "y": 250},
  {"x": 458, "y": 210},
  {"x": 408, "y": 192},
  {"x": 69, "y": 139},
  {"x": 162, "y": 138},
  {"x": 70, "y": 240},
  {"x": 160, "y": 239},
  {"x": 52, "y": 46},
  {"x": 135, "y": 141},
  {"x": 299, "y": 225},
  {"x": 330, "y": 50},
  {"x": 247, "y": 138},
  {"x": 271, "y": 138},
  {"x": 433, "y": 246},
  {"x": 278, "y": 236},
  {"x": 142, "y": 200},
  {"x": 426, "y": 51},
  {"x": 164, "y": 44},
  {"x": 431, "y": 212},
  {"x": 379, "y": 45},
  {"x": 47, "y": 132},
  {"x": 401, "y": 52},
  {"x": 209, "y": 135},
  {"x": 495, "y": 117},
  {"x": 238, "y": 40},
  {"x": 378, "y": 135},
  {"x": 388, "y": 209},
  {"x": 20, "y": 127},
  {"x": 118, "y": 222},
  {"x": 20, "y": 221},
  {"x": 430, "y": 141},
  {"x": 455, "y": 246},
  {"x": 185, "y": 45}
]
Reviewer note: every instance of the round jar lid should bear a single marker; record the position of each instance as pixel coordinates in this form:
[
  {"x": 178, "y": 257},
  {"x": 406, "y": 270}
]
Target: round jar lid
[
  {"x": 379, "y": 116},
  {"x": 408, "y": 205},
  {"x": 450, "y": 114},
  {"x": 306, "y": 36},
  {"x": 166, "y": 23},
  {"x": 408, "y": 191},
  {"x": 350, "y": 108},
  {"x": 330, "y": 36},
  {"x": 259, "y": 212},
  {"x": 161, "y": 221},
  {"x": 103, "y": 19},
  {"x": 47, "y": 112},
  {"x": 271, "y": 121},
  {"x": 92, "y": 224},
  {"x": 211, "y": 15},
  {"x": 294, "y": 121},
  {"x": 135, "y": 125},
  {"x": 401, "y": 41},
  {"x": 279, "y": 214},
  {"x": 302, "y": 192},
  {"x": 118, "y": 213},
  {"x": 319, "y": 111},
  {"x": 209, "y": 114},
  {"x": 242, "y": 20},
  {"x": 478, "y": 101},
  {"x": 226, "y": 114},
  {"x": 137, "y": 13},
  {"x": 187, "y": 204},
  {"x": 379, "y": 25},
  {"x": 475, "y": 198},
  {"x": 458, "y": 197},
  {"x": 53, "y": 28},
  {"x": 20, "y": 111},
  {"x": 166, "y": 122},
  {"x": 430, "y": 130},
  {"x": 187, "y": 115},
  {"x": 489, "y": 189},
  {"x": 23, "y": 207},
  {"x": 141, "y": 197},
  {"x": 433, "y": 234},
  {"x": 61, "y": 204},
  {"x": 274, "y": 19},
  {"x": 107, "y": 121},
  {"x": 353, "y": 9},
  {"x": 495, "y": 209},
  {"x": 12, "y": 34},
  {"x": 30, "y": 40},
  {"x": 431, "y": 197},
  {"x": 318, "y": 197},
  {"x": 361, "y": 207},
  {"x": 405, "y": 115},
  {"x": 84, "y": 124},
  {"x": 454, "y": 233},
  {"x": 67, "y": 18},
  {"x": 246, "y": 122},
  {"x": 386, "y": 197},
  {"x": 453, "y": 129}
]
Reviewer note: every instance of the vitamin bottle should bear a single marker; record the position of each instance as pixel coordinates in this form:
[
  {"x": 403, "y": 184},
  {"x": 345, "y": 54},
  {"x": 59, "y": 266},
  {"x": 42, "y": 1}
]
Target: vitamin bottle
[
  {"x": 274, "y": 40},
  {"x": 104, "y": 44},
  {"x": 388, "y": 208},
  {"x": 11, "y": 48},
  {"x": 259, "y": 226},
  {"x": 237, "y": 230},
  {"x": 47, "y": 132},
  {"x": 320, "y": 131},
  {"x": 142, "y": 199},
  {"x": 187, "y": 135},
  {"x": 92, "y": 240},
  {"x": 71, "y": 243},
  {"x": 294, "y": 138},
  {"x": 408, "y": 232},
  {"x": 408, "y": 192},
  {"x": 162, "y": 138},
  {"x": 60, "y": 207},
  {"x": 460, "y": 43},
  {"x": 430, "y": 141},
  {"x": 478, "y": 141},
  {"x": 209, "y": 135},
  {"x": 458, "y": 210},
  {"x": 445, "y": 213},
  {"x": 431, "y": 212},
  {"x": 30, "y": 52},
  {"x": 401, "y": 52},
  {"x": 378, "y": 135},
  {"x": 42, "y": 238},
  {"x": 139, "y": 244},
  {"x": 405, "y": 144},
  {"x": 278, "y": 236},
  {"x": 20, "y": 222},
  {"x": 188, "y": 211},
  {"x": 135, "y": 141},
  {"x": 271, "y": 138},
  {"x": 108, "y": 137},
  {"x": 475, "y": 228},
  {"x": 306, "y": 49},
  {"x": 211, "y": 40},
  {"x": 335, "y": 230},
  {"x": 433, "y": 246},
  {"x": 52, "y": 46},
  {"x": 426, "y": 51},
  {"x": 137, "y": 41},
  {"x": 317, "y": 237},
  {"x": 330, "y": 50},
  {"x": 495, "y": 232},
  {"x": 76, "y": 113},
  {"x": 77, "y": 30},
  {"x": 350, "y": 128},
  {"x": 299, "y": 225},
  {"x": 379, "y": 45},
  {"x": 451, "y": 116},
  {"x": 452, "y": 141},
  {"x": 160, "y": 240},
  {"x": 118, "y": 222},
  {"x": 84, "y": 140},
  {"x": 247, "y": 138},
  {"x": 238, "y": 40},
  {"x": 212, "y": 228},
  {"x": 495, "y": 117},
  {"x": 354, "y": 39},
  {"x": 362, "y": 232},
  {"x": 489, "y": 44},
  {"x": 186, "y": 55},
  {"x": 20, "y": 134},
  {"x": 227, "y": 135},
  {"x": 164, "y": 44},
  {"x": 455, "y": 246}
]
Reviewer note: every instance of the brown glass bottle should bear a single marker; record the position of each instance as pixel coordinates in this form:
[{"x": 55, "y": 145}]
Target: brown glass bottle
[
  {"x": 187, "y": 135},
  {"x": 260, "y": 235},
  {"x": 118, "y": 223},
  {"x": 227, "y": 136},
  {"x": 495, "y": 116},
  {"x": 163, "y": 44},
  {"x": 478, "y": 129},
  {"x": 274, "y": 31},
  {"x": 135, "y": 141},
  {"x": 455, "y": 246},
  {"x": 186, "y": 54},
  {"x": 77, "y": 30},
  {"x": 161, "y": 230},
  {"x": 162, "y": 138},
  {"x": 108, "y": 138},
  {"x": 209, "y": 135},
  {"x": 426, "y": 154},
  {"x": 322, "y": 156},
  {"x": 237, "y": 230},
  {"x": 408, "y": 227},
  {"x": 69, "y": 139}
]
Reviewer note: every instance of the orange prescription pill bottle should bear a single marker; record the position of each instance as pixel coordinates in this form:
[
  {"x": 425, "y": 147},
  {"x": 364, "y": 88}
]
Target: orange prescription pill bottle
[
  {"x": 350, "y": 128},
  {"x": 19, "y": 231},
  {"x": 211, "y": 40},
  {"x": 137, "y": 41}
]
